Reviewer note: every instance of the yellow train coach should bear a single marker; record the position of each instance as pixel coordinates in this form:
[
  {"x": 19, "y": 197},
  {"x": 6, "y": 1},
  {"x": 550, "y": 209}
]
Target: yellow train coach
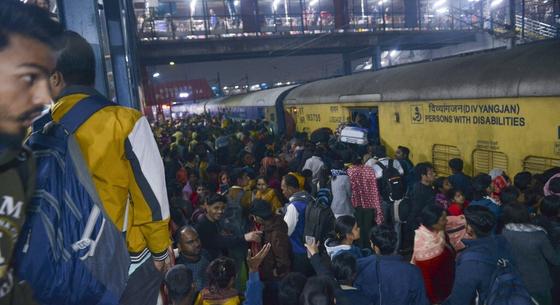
[{"x": 497, "y": 109}]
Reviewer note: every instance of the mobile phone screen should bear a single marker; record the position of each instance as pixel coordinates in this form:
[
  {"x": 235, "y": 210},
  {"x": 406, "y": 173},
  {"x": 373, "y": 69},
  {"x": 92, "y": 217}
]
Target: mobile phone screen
[{"x": 309, "y": 240}]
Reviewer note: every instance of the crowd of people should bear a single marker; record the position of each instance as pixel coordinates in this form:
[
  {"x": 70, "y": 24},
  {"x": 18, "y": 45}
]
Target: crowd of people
[
  {"x": 222, "y": 211},
  {"x": 238, "y": 185}
]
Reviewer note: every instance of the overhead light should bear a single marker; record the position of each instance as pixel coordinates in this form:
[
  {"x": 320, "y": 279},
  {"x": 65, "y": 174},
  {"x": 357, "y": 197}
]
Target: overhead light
[
  {"x": 495, "y": 3},
  {"x": 236, "y": 2},
  {"x": 155, "y": 75},
  {"x": 439, "y": 3},
  {"x": 193, "y": 7},
  {"x": 184, "y": 94},
  {"x": 275, "y": 5},
  {"x": 171, "y": 63},
  {"x": 313, "y": 2}
]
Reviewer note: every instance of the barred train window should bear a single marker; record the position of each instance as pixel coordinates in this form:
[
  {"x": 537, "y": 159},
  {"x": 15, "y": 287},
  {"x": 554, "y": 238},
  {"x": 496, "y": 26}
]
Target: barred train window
[
  {"x": 486, "y": 160},
  {"x": 441, "y": 154},
  {"x": 537, "y": 165}
]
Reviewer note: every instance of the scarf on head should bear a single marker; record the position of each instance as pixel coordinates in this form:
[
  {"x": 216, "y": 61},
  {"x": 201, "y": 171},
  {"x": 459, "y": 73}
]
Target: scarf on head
[
  {"x": 427, "y": 244},
  {"x": 546, "y": 188},
  {"x": 338, "y": 172}
]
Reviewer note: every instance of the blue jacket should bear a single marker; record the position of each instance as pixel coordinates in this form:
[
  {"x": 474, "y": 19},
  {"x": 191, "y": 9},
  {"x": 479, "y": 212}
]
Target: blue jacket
[
  {"x": 401, "y": 282},
  {"x": 299, "y": 201},
  {"x": 254, "y": 292},
  {"x": 491, "y": 205},
  {"x": 472, "y": 277}
]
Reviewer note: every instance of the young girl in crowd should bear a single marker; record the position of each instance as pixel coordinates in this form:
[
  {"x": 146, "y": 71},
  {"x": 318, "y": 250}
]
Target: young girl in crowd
[
  {"x": 443, "y": 188},
  {"x": 224, "y": 182},
  {"x": 458, "y": 204},
  {"x": 221, "y": 279},
  {"x": 346, "y": 231}
]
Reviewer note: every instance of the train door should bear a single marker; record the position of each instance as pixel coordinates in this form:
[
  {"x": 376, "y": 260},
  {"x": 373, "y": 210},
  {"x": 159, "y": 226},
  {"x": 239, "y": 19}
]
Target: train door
[{"x": 368, "y": 118}]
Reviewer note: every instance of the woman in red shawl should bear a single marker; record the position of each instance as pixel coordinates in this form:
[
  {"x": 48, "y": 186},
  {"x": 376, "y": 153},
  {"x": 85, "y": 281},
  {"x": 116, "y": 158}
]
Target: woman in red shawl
[{"x": 433, "y": 254}]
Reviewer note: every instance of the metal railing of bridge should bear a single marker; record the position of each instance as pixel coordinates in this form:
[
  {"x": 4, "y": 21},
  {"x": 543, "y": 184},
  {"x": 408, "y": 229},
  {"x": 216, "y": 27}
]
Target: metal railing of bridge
[
  {"x": 205, "y": 27},
  {"x": 477, "y": 16}
]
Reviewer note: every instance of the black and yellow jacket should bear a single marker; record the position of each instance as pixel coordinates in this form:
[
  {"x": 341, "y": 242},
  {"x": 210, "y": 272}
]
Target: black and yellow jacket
[{"x": 123, "y": 158}]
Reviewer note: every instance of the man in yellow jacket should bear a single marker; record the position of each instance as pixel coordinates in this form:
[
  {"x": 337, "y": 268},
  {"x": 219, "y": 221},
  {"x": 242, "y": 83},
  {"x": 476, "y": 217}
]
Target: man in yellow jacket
[{"x": 123, "y": 158}]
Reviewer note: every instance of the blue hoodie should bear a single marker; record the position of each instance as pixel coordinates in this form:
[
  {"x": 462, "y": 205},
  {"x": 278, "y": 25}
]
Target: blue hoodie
[{"x": 401, "y": 282}]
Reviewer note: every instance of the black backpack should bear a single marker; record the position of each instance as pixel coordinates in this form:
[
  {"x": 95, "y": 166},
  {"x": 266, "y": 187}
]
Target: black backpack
[
  {"x": 319, "y": 220},
  {"x": 392, "y": 186}
]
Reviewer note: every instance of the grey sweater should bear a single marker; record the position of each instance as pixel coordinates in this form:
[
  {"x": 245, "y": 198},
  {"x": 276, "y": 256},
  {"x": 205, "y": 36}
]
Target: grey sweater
[
  {"x": 532, "y": 251},
  {"x": 342, "y": 195}
]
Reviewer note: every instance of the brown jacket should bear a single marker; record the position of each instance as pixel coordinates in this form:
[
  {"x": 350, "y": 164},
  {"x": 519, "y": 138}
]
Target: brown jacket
[{"x": 275, "y": 232}]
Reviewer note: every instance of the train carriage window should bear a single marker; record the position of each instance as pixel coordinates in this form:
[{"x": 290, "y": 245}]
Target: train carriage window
[
  {"x": 486, "y": 160},
  {"x": 537, "y": 165},
  {"x": 441, "y": 154}
]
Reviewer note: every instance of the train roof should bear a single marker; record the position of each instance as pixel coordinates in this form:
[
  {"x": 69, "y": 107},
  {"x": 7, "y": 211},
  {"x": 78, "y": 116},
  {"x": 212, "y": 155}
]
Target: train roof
[
  {"x": 526, "y": 70},
  {"x": 263, "y": 98}
]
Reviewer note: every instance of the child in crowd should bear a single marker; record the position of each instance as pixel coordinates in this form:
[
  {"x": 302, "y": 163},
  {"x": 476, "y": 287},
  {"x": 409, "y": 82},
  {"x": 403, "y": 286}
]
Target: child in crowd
[
  {"x": 458, "y": 204},
  {"x": 443, "y": 188},
  {"x": 220, "y": 291}
]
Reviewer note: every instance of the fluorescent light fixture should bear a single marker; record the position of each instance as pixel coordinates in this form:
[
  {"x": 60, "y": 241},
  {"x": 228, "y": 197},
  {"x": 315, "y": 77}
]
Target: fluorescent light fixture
[
  {"x": 171, "y": 63},
  {"x": 156, "y": 75},
  {"x": 275, "y": 5},
  {"x": 236, "y": 2},
  {"x": 193, "y": 6},
  {"x": 313, "y": 2},
  {"x": 495, "y": 3},
  {"x": 184, "y": 95},
  {"x": 439, "y": 3}
]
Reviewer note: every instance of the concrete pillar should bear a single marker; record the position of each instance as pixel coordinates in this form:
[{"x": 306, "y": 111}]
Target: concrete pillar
[
  {"x": 341, "y": 14},
  {"x": 376, "y": 58},
  {"x": 347, "y": 63},
  {"x": 511, "y": 24},
  {"x": 249, "y": 16}
]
